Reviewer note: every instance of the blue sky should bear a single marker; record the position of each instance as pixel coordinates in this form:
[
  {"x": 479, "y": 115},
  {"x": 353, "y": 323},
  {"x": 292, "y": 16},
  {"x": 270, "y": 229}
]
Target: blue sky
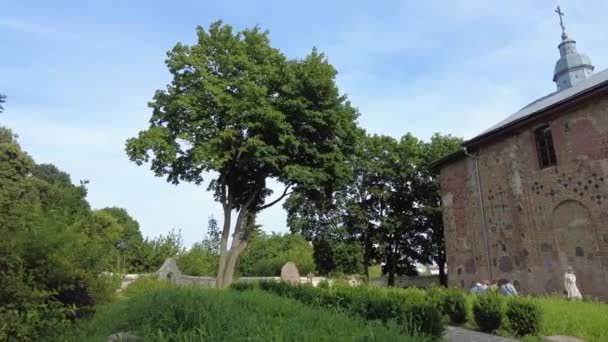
[{"x": 80, "y": 73}]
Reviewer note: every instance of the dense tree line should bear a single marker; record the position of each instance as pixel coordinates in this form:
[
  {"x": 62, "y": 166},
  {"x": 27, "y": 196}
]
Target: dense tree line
[
  {"x": 388, "y": 214},
  {"x": 53, "y": 245},
  {"x": 56, "y": 251}
]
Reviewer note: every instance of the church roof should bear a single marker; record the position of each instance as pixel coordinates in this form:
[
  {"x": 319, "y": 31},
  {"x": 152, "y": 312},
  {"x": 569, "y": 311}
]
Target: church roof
[
  {"x": 574, "y": 78},
  {"x": 532, "y": 110},
  {"x": 550, "y": 100}
]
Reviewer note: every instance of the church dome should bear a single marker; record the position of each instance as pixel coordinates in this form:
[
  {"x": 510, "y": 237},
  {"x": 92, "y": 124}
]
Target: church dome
[{"x": 571, "y": 67}]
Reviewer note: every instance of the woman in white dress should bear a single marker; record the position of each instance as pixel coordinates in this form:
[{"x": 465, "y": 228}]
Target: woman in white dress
[{"x": 570, "y": 285}]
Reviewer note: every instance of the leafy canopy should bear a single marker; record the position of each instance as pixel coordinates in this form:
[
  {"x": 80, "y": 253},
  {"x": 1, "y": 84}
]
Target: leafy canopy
[{"x": 238, "y": 107}]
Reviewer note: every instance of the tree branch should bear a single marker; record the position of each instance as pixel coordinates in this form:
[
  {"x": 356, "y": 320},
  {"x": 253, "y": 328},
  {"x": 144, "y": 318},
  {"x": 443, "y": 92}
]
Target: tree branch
[{"x": 285, "y": 193}]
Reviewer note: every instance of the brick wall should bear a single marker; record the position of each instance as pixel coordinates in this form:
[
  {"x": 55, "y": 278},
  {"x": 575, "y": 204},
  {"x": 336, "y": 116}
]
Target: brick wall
[{"x": 539, "y": 221}]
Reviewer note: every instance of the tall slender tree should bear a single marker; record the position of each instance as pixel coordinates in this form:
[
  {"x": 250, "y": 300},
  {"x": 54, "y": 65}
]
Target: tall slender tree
[{"x": 237, "y": 108}]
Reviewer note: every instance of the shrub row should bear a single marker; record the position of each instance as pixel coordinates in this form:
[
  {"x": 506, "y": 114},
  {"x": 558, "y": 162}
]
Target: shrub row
[
  {"x": 522, "y": 314},
  {"x": 195, "y": 314},
  {"x": 411, "y": 309},
  {"x": 451, "y": 302},
  {"x": 244, "y": 286}
]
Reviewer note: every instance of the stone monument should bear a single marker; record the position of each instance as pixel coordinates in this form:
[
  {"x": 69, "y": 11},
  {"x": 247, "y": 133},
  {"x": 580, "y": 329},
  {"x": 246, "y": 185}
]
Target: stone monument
[
  {"x": 170, "y": 271},
  {"x": 289, "y": 273}
]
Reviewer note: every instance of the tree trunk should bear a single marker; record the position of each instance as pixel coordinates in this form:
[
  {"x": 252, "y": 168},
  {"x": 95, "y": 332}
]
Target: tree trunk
[
  {"x": 233, "y": 256},
  {"x": 391, "y": 278},
  {"x": 228, "y": 259},
  {"x": 366, "y": 256},
  {"x": 223, "y": 246},
  {"x": 392, "y": 269},
  {"x": 443, "y": 278}
]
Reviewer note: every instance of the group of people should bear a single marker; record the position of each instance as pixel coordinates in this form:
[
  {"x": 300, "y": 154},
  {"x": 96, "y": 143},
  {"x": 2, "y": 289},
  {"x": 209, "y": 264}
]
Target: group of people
[{"x": 505, "y": 288}]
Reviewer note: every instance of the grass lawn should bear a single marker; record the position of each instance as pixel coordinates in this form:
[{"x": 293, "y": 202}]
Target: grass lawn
[
  {"x": 194, "y": 314},
  {"x": 585, "y": 320}
]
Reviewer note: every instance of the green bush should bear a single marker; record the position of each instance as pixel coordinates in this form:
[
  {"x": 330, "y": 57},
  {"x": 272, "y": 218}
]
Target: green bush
[
  {"x": 194, "y": 314},
  {"x": 524, "y": 316},
  {"x": 34, "y": 319},
  {"x": 488, "y": 312},
  {"x": 410, "y": 308},
  {"x": 145, "y": 284},
  {"x": 244, "y": 286},
  {"x": 451, "y": 302}
]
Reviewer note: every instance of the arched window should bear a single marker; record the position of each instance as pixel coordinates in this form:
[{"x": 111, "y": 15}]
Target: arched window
[{"x": 544, "y": 146}]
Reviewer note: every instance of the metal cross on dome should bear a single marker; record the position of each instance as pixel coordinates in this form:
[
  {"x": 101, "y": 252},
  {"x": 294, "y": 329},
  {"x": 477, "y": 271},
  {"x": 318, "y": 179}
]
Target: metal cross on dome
[{"x": 561, "y": 21}]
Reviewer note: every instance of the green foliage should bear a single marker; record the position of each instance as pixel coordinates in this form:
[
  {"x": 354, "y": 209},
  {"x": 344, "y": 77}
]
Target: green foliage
[
  {"x": 266, "y": 255},
  {"x": 53, "y": 247},
  {"x": 211, "y": 243},
  {"x": 145, "y": 284},
  {"x": 333, "y": 255},
  {"x": 244, "y": 285},
  {"x": 193, "y": 314},
  {"x": 410, "y": 309},
  {"x": 238, "y": 110},
  {"x": 375, "y": 272},
  {"x": 198, "y": 262},
  {"x": 451, "y": 302},
  {"x": 37, "y": 318},
  {"x": 488, "y": 310},
  {"x": 149, "y": 255},
  {"x": 202, "y": 258},
  {"x": 389, "y": 211},
  {"x": 524, "y": 315}
]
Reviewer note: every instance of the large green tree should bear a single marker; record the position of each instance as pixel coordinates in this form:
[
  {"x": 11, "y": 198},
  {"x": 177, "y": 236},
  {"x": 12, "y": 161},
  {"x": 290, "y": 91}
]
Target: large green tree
[
  {"x": 357, "y": 213},
  {"x": 237, "y": 111}
]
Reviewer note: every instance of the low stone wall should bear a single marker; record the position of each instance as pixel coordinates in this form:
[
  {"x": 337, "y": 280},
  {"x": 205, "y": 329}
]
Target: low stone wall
[
  {"x": 420, "y": 281},
  {"x": 169, "y": 271},
  {"x": 209, "y": 282},
  {"x": 187, "y": 280}
]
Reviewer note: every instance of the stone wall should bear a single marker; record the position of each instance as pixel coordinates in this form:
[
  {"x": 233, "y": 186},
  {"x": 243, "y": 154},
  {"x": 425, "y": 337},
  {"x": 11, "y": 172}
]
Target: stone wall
[
  {"x": 419, "y": 282},
  {"x": 539, "y": 221}
]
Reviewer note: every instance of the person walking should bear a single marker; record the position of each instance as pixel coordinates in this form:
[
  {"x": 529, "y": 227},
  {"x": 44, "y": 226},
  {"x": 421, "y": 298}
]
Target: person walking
[{"x": 570, "y": 285}]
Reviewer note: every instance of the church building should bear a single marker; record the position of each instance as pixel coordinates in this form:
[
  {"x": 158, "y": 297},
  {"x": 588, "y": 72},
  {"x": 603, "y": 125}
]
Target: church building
[{"x": 528, "y": 198}]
